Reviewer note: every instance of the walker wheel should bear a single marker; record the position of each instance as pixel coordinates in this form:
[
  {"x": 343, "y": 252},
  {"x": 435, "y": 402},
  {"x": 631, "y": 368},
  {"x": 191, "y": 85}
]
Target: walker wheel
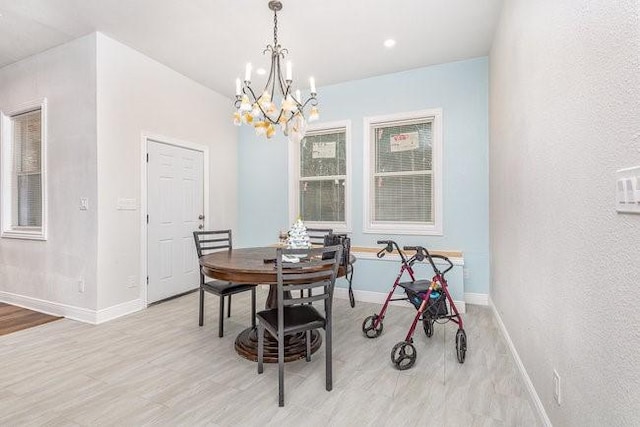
[
  {"x": 369, "y": 329},
  {"x": 427, "y": 325},
  {"x": 403, "y": 355},
  {"x": 461, "y": 345}
]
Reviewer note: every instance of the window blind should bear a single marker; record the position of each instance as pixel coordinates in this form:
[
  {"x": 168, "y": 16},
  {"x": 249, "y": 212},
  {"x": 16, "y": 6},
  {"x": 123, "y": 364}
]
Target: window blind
[
  {"x": 402, "y": 180},
  {"x": 27, "y": 170},
  {"x": 323, "y": 169}
]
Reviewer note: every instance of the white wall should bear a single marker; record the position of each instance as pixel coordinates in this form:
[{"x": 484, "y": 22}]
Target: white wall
[
  {"x": 565, "y": 115},
  {"x": 137, "y": 94},
  {"x": 35, "y": 271}
]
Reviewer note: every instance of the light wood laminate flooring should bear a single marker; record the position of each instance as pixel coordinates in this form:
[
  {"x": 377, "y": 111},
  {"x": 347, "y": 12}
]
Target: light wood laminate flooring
[{"x": 157, "y": 367}]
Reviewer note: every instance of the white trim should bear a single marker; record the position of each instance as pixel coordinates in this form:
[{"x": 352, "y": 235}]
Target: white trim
[
  {"x": 537, "y": 403},
  {"x": 80, "y": 314},
  {"x": 435, "y": 229},
  {"x": 119, "y": 310},
  {"x": 294, "y": 177},
  {"x": 476, "y": 299},
  {"x": 145, "y": 137},
  {"x": 380, "y": 297},
  {"x": 394, "y": 257},
  {"x": 7, "y": 230}
]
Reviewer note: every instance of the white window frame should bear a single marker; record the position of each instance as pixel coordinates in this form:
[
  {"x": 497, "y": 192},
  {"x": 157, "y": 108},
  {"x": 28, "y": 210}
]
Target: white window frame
[
  {"x": 369, "y": 226},
  {"x": 6, "y": 159},
  {"x": 294, "y": 177}
]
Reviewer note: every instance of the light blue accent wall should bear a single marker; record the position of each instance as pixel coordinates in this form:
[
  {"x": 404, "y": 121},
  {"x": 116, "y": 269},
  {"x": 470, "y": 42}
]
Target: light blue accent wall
[{"x": 461, "y": 90}]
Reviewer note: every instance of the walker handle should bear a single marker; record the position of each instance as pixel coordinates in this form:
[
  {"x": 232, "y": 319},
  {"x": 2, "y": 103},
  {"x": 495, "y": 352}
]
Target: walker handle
[
  {"x": 442, "y": 257},
  {"x": 421, "y": 253},
  {"x": 388, "y": 248}
]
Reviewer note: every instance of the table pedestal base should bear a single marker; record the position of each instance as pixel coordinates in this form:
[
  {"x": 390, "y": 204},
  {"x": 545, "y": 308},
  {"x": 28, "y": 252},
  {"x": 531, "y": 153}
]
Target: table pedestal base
[{"x": 295, "y": 346}]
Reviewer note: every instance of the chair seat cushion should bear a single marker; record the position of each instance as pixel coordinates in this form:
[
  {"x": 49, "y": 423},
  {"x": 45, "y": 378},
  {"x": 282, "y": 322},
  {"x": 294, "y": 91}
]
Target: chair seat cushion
[
  {"x": 220, "y": 287},
  {"x": 296, "y": 318}
]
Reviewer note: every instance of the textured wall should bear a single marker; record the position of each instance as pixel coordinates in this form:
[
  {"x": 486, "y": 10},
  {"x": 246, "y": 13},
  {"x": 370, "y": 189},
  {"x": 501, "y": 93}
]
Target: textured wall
[
  {"x": 50, "y": 270},
  {"x": 461, "y": 90},
  {"x": 565, "y": 115}
]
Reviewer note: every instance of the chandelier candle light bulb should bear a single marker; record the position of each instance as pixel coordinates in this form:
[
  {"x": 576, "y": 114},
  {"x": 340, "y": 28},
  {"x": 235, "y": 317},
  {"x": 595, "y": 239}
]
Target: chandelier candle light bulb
[
  {"x": 312, "y": 85},
  {"x": 247, "y": 73},
  {"x": 262, "y": 111}
]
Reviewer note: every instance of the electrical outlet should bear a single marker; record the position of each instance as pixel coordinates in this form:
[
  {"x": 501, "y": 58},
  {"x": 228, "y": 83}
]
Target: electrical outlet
[
  {"x": 465, "y": 273},
  {"x": 81, "y": 286},
  {"x": 556, "y": 387},
  {"x": 131, "y": 281}
]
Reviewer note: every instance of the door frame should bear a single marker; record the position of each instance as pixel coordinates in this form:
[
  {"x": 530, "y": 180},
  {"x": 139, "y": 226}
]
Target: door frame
[{"x": 146, "y": 138}]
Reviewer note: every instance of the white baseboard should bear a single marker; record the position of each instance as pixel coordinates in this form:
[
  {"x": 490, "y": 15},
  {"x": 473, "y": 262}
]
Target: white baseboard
[
  {"x": 537, "y": 403},
  {"x": 115, "y": 311},
  {"x": 49, "y": 307},
  {"x": 476, "y": 299},
  {"x": 80, "y": 314},
  {"x": 380, "y": 297}
]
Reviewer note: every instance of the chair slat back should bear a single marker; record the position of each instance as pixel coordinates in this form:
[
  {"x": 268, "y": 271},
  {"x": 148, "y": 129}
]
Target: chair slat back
[
  {"x": 211, "y": 241},
  {"x": 317, "y": 270},
  {"x": 316, "y": 235}
]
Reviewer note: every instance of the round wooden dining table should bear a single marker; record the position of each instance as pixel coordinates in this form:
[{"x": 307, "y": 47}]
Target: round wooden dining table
[{"x": 256, "y": 266}]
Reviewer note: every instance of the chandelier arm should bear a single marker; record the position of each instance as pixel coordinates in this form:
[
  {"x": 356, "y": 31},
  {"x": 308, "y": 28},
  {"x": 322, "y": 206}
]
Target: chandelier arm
[
  {"x": 255, "y": 101},
  {"x": 273, "y": 74},
  {"x": 311, "y": 100},
  {"x": 253, "y": 95},
  {"x": 301, "y": 107}
]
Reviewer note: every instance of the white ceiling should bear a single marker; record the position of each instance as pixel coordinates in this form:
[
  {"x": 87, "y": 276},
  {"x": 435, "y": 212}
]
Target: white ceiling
[{"x": 211, "y": 40}]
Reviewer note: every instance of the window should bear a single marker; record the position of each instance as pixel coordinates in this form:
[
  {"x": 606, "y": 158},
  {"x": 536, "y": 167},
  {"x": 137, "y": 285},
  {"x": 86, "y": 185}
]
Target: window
[
  {"x": 23, "y": 172},
  {"x": 319, "y": 172},
  {"x": 402, "y": 166}
]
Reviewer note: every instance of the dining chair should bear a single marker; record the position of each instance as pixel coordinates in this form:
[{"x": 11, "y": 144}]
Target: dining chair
[
  {"x": 317, "y": 235},
  {"x": 347, "y": 262},
  {"x": 317, "y": 238},
  {"x": 211, "y": 241},
  {"x": 317, "y": 270}
]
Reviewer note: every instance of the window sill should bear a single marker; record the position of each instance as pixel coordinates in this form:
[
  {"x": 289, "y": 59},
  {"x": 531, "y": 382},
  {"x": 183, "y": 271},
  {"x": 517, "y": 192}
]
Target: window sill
[
  {"x": 417, "y": 230},
  {"x": 24, "y": 234},
  {"x": 337, "y": 227}
]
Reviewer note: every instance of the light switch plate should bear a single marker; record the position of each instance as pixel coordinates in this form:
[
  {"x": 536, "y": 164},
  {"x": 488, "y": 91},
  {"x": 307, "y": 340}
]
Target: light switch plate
[{"x": 628, "y": 190}]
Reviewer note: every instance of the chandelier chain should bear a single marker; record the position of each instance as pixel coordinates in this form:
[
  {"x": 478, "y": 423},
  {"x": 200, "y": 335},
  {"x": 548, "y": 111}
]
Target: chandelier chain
[{"x": 275, "y": 28}]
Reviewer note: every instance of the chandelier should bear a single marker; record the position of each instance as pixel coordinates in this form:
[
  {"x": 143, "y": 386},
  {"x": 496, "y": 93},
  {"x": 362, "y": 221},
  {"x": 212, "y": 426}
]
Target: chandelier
[{"x": 276, "y": 104}]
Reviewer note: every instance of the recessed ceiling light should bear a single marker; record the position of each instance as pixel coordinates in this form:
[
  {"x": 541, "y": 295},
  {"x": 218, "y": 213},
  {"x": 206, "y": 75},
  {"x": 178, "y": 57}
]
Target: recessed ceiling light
[
  {"x": 389, "y": 43},
  {"x": 261, "y": 71}
]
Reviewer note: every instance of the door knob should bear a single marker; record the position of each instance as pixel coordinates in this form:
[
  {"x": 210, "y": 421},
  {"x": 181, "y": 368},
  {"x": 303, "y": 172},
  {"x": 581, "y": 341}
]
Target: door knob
[
  {"x": 200, "y": 216},
  {"x": 200, "y": 227}
]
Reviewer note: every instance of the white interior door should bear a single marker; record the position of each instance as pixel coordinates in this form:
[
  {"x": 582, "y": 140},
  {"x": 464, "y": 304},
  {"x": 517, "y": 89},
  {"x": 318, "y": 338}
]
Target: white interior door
[{"x": 175, "y": 200}]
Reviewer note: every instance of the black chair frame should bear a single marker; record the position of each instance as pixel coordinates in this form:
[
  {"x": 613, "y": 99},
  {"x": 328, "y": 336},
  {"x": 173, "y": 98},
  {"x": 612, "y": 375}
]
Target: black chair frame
[
  {"x": 318, "y": 237},
  {"x": 297, "y": 314},
  {"x": 211, "y": 241}
]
